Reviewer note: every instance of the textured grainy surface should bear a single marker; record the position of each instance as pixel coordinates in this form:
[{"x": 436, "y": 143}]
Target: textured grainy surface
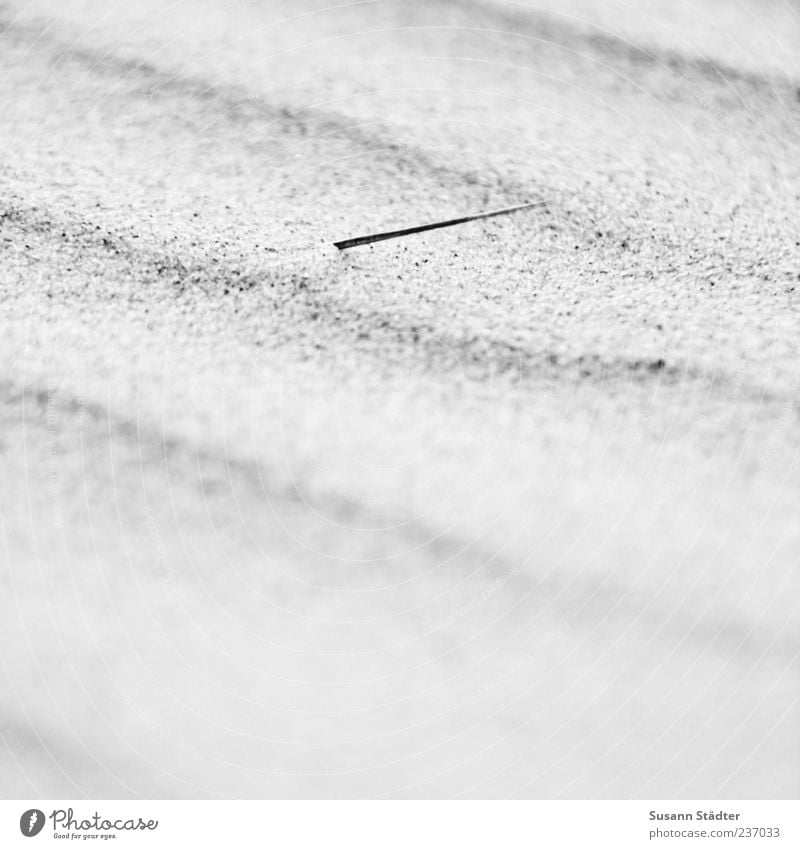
[{"x": 510, "y": 509}]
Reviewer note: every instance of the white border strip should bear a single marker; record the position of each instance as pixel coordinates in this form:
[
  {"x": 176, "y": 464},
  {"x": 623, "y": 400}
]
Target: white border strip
[{"x": 402, "y": 824}]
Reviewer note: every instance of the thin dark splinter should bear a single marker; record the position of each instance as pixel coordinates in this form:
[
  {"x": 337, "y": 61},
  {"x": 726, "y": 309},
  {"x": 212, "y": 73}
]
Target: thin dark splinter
[{"x": 408, "y": 231}]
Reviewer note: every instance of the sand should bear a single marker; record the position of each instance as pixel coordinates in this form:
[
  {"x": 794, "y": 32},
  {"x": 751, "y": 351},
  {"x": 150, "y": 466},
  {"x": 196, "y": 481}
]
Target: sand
[{"x": 506, "y": 510}]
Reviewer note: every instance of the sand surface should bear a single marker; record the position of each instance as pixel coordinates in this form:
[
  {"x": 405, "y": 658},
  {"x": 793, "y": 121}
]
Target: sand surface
[{"x": 505, "y": 510}]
